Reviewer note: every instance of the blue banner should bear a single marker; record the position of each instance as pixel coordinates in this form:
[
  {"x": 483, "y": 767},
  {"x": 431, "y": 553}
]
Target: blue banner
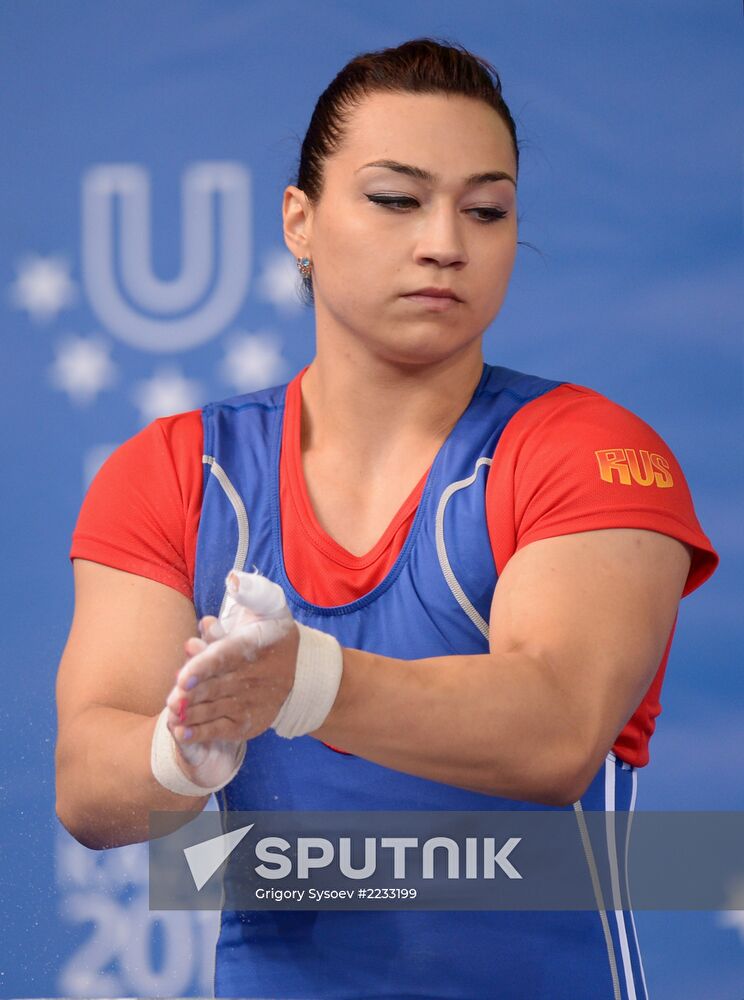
[{"x": 143, "y": 272}]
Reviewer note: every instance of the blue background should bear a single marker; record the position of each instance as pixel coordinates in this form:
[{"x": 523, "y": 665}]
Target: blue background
[{"x": 630, "y": 188}]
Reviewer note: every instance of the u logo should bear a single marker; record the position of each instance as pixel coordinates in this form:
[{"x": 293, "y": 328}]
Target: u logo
[{"x": 138, "y": 307}]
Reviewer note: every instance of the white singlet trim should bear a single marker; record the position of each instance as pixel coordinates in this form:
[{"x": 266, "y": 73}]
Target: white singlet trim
[
  {"x": 452, "y": 582},
  {"x": 615, "y": 878},
  {"x": 634, "y": 779},
  {"x": 590, "y": 860},
  {"x": 241, "y": 515}
]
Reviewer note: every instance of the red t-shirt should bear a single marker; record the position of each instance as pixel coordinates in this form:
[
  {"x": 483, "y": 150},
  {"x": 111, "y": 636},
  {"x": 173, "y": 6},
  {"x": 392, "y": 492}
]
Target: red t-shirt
[{"x": 568, "y": 461}]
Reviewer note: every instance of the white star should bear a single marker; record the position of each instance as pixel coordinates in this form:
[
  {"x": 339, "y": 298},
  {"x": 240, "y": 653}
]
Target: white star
[
  {"x": 734, "y": 920},
  {"x": 43, "y": 287},
  {"x": 82, "y": 369},
  {"x": 167, "y": 392},
  {"x": 253, "y": 361},
  {"x": 733, "y": 917},
  {"x": 280, "y": 282}
]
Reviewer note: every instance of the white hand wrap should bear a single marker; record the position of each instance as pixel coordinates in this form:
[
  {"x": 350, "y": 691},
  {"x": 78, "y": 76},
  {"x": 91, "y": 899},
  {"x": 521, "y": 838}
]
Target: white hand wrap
[
  {"x": 262, "y": 605},
  {"x": 165, "y": 767},
  {"x": 320, "y": 663},
  {"x": 257, "y": 609}
]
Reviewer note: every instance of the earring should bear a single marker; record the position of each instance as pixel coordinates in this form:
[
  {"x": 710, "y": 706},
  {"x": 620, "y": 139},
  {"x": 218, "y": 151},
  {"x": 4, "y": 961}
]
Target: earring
[{"x": 304, "y": 266}]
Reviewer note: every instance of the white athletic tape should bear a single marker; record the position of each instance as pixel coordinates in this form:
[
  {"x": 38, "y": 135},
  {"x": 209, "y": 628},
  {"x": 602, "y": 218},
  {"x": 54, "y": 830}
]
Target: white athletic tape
[
  {"x": 260, "y": 609},
  {"x": 217, "y": 762},
  {"x": 257, "y": 613},
  {"x": 320, "y": 663},
  {"x": 258, "y": 594}
]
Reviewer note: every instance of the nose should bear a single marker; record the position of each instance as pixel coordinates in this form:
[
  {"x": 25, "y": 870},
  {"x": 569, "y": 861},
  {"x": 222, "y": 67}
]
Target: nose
[{"x": 440, "y": 237}]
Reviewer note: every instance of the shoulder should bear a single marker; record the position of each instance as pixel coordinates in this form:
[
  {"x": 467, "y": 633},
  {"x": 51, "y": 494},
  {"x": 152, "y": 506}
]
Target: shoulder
[
  {"x": 572, "y": 420},
  {"x": 164, "y": 458},
  {"x": 574, "y": 432},
  {"x": 179, "y": 436},
  {"x": 182, "y": 437},
  {"x": 538, "y": 405},
  {"x": 179, "y": 427},
  {"x": 573, "y": 460},
  {"x": 572, "y": 404},
  {"x": 141, "y": 511}
]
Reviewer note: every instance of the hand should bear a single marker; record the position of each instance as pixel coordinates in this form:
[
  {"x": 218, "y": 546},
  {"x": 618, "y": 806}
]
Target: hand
[
  {"x": 234, "y": 684},
  {"x": 210, "y": 763}
]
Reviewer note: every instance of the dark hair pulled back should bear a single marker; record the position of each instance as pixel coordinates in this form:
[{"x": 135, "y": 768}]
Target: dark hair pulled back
[{"x": 419, "y": 66}]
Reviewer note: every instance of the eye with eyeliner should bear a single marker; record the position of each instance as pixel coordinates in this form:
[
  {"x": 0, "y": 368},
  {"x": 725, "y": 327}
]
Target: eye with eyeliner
[{"x": 400, "y": 203}]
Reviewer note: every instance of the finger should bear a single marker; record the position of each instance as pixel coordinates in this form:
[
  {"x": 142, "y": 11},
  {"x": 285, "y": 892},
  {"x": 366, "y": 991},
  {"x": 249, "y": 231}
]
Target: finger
[
  {"x": 227, "y": 656},
  {"x": 248, "y": 638},
  {"x": 207, "y": 690},
  {"x": 194, "y": 646},
  {"x": 190, "y": 750},
  {"x": 256, "y": 592},
  {"x": 173, "y": 722},
  {"x": 210, "y": 628},
  {"x": 264, "y": 633},
  {"x": 177, "y": 707},
  {"x": 230, "y": 707},
  {"x": 217, "y": 729},
  {"x": 217, "y": 658}
]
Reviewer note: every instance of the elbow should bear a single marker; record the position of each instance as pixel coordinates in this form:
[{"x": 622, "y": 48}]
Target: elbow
[
  {"x": 571, "y": 782},
  {"x": 561, "y": 782},
  {"x": 78, "y": 831},
  {"x": 64, "y": 809},
  {"x": 566, "y": 792},
  {"x": 562, "y": 791},
  {"x": 70, "y": 812},
  {"x": 569, "y": 767}
]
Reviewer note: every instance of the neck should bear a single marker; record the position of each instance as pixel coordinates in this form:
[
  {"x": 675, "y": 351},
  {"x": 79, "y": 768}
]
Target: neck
[{"x": 373, "y": 409}]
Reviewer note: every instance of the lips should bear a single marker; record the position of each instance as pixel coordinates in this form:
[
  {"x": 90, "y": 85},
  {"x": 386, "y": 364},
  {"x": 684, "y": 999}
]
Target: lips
[
  {"x": 437, "y": 293},
  {"x": 436, "y": 303}
]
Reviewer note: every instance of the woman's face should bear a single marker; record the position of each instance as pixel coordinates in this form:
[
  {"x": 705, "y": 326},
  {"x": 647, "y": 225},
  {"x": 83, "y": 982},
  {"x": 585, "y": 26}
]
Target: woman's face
[{"x": 379, "y": 233}]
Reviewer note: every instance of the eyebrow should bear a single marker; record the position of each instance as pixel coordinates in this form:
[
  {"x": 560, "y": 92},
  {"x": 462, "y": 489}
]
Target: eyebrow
[{"x": 424, "y": 175}]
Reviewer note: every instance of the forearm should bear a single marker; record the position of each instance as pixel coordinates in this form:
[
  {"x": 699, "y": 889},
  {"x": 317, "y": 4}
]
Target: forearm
[
  {"x": 105, "y": 785},
  {"x": 491, "y": 723}
]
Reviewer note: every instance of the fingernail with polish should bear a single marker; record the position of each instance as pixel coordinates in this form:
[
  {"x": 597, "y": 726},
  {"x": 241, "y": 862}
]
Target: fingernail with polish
[
  {"x": 192, "y": 682},
  {"x": 187, "y": 734}
]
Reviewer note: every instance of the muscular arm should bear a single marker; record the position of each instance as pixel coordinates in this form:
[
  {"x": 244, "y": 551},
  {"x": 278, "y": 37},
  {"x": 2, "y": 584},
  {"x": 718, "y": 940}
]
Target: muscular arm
[
  {"x": 124, "y": 650},
  {"x": 579, "y": 624}
]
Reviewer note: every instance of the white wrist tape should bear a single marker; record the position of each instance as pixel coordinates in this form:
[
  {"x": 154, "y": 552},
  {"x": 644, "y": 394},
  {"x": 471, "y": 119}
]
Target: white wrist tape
[
  {"x": 318, "y": 672},
  {"x": 165, "y": 767}
]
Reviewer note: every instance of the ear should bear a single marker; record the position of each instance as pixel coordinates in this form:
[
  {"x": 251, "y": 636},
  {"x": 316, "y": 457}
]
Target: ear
[{"x": 297, "y": 214}]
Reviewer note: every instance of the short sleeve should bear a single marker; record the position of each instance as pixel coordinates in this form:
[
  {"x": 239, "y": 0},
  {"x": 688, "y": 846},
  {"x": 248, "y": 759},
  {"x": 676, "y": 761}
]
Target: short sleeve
[
  {"x": 572, "y": 460},
  {"x": 141, "y": 512}
]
